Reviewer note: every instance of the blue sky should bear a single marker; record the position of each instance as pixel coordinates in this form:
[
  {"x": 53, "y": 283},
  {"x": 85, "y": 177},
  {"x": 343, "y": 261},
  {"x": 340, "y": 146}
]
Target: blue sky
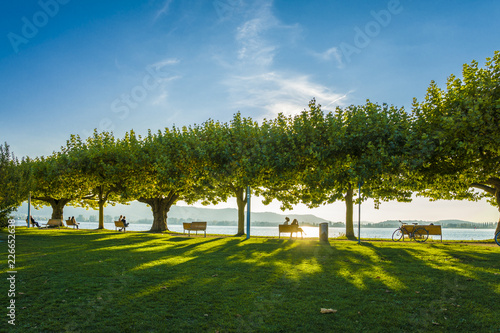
[{"x": 70, "y": 66}]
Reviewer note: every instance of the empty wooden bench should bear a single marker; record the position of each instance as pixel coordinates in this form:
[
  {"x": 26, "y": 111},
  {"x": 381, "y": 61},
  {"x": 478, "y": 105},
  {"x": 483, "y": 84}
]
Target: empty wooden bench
[
  {"x": 195, "y": 226},
  {"x": 434, "y": 230},
  {"x": 291, "y": 229},
  {"x": 119, "y": 224},
  {"x": 54, "y": 223}
]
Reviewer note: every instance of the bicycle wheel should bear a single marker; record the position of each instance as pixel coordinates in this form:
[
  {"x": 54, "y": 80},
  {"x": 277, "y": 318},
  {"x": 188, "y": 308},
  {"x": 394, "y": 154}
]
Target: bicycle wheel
[
  {"x": 397, "y": 235},
  {"x": 420, "y": 235},
  {"x": 497, "y": 238}
]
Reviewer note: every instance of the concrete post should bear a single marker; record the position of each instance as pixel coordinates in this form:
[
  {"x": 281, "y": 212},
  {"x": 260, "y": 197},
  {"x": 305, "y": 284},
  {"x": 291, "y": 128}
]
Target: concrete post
[{"x": 323, "y": 232}]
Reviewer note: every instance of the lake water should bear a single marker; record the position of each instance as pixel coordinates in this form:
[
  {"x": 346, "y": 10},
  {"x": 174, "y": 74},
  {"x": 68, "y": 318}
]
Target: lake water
[{"x": 310, "y": 232}]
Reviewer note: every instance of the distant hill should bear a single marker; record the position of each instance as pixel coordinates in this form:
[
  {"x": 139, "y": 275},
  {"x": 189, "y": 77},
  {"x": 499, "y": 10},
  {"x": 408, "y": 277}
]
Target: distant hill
[
  {"x": 231, "y": 214},
  {"x": 443, "y": 223},
  {"x": 137, "y": 211}
]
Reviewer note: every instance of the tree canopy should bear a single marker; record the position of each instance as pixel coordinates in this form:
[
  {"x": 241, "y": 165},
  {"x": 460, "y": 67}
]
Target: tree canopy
[
  {"x": 329, "y": 155},
  {"x": 456, "y": 136},
  {"x": 12, "y": 189},
  {"x": 447, "y": 147}
]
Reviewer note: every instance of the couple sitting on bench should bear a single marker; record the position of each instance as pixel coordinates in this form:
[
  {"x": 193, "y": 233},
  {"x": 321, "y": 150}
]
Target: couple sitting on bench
[
  {"x": 294, "y": 222},
  {"x": 124, "y": 221},
  {"x": 291, "y": 228}
]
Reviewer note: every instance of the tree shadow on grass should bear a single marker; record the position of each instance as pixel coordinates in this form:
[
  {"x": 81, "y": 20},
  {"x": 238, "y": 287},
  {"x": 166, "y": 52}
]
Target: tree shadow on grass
[{"x": 228, "y": 284}]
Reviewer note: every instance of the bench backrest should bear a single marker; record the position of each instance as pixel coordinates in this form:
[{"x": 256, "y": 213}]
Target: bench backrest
[
  {"x": 198, "y": 225},
  {"x": 119, "y": 224},
  {"x": 55, "y": 222},
  {"x": 288, "y": 228},
  {"x": 433, "y": 229},
  {"x": 70, "y": 222}
]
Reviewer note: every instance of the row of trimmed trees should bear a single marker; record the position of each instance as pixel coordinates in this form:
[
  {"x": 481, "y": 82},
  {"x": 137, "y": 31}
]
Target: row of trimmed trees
[{"x": 447, "y": 146}]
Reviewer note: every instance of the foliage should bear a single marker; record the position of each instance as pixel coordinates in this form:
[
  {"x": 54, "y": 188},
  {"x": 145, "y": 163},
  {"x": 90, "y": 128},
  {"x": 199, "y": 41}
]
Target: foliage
[
  {"x": 327, "y": 156},
  {"x": 55, "y": 181},
  {"x": 231, "y": 155},
  {"x": 456, "y": 136},
  {"x": 162, "y": 170},
  {"x": 12, "y": 189},
  {"x": 100, "y": 167},
  {"x": 447, "y": 148}
]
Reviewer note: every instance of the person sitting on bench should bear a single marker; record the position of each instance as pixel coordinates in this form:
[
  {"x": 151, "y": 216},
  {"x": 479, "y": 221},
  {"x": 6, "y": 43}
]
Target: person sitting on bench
[
  {"x": 33, "y": 222},
  {"x": 74, "y": 221},
  {"x": 125, "y": 224},
  {"x": 295, "y": 222}
]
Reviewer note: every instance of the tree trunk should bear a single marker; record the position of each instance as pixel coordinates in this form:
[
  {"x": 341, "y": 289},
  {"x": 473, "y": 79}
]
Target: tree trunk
[
  {"x": 58, "y": 207},
  {"x": 493, "y": 188},
  {"x": 241, "y": 201},
  {"x": 101, "y": 202},
  {"x": 160, "y": 207},
  {"x": 56, "y": 204},
  {"x": 349, "y": 205},
  {"x": 497, "y": 197}
]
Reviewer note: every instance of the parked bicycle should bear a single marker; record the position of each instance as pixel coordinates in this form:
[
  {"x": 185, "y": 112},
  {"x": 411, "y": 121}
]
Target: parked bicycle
[
  {"x": 415, "y": 232},
  {"x": 497, "y": 238}
]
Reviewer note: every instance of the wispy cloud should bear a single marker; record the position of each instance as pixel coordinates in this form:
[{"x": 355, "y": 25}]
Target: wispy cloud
[
  {"x": 280, "y": 93},
  {"x": 162, "y": 11},
  {"x": 254, "y": 84},
  {"x": 254, "y": 47},
  {"x": 166, "y": 62},
  {"x": 331, "y": 54}
]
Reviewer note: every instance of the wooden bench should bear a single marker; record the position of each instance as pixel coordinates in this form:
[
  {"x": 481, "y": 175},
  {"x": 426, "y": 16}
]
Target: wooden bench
[
  {"x": 195, "y": 226},
  {"x": 434, "y": 230},
  {"x": 119, "y": 224},
  {"x": 291, "y": 229},
  {"x": 54, "y": 223},
  {"x": 74, "y": 224}
]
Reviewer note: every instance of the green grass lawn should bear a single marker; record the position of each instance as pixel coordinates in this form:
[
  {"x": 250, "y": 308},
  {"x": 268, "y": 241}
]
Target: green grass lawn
[{"x": 105, "y": 281}]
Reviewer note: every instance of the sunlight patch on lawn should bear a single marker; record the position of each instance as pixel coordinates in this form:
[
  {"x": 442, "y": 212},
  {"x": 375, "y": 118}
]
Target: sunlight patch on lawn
[
  {"x": 165, "y": 286},
  {"x": 298, "y": 272},
  {"x": 170, "y": 261}
]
